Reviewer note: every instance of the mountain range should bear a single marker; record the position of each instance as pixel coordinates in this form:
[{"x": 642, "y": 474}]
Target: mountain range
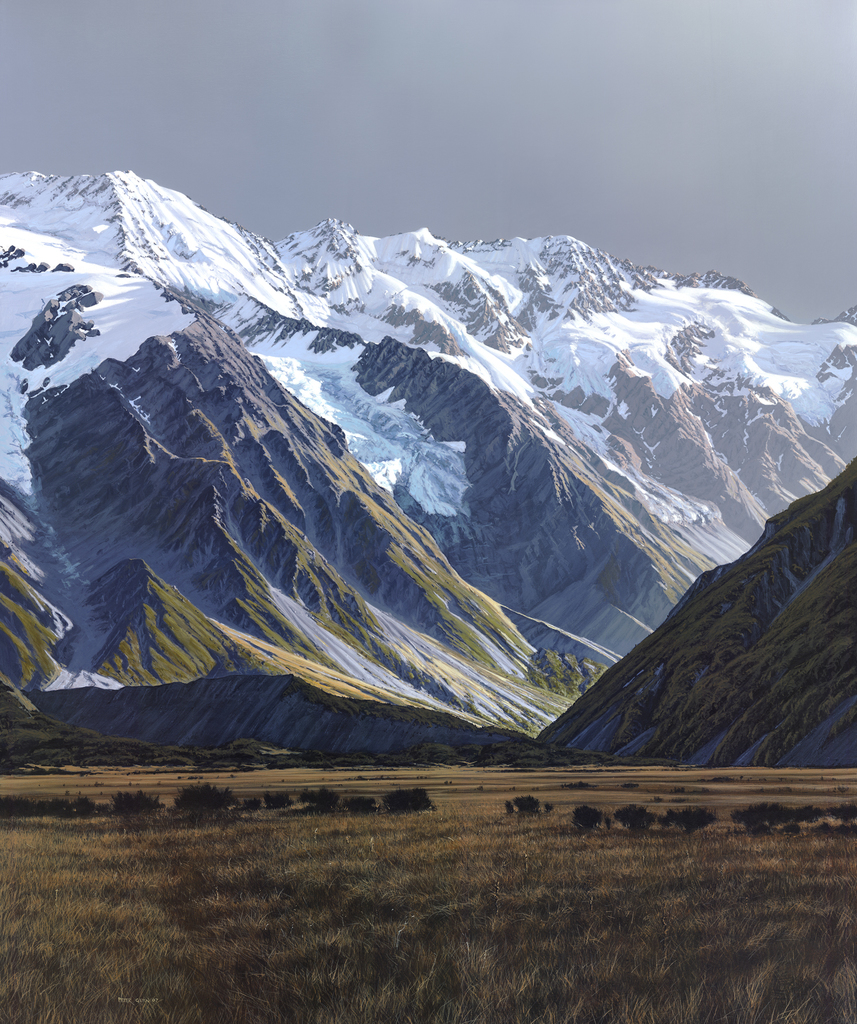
[{"x": 399, "y": 469}]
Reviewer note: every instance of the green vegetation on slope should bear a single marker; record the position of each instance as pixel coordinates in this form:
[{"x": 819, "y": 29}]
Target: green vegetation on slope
[{"x": 759, "y": 652}]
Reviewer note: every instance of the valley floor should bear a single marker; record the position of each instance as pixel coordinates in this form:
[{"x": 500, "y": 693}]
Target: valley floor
[{"x": 466, "y": 914}]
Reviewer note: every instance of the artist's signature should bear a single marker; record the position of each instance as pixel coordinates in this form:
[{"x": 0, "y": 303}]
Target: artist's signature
[{"x": 128, "y": 999}]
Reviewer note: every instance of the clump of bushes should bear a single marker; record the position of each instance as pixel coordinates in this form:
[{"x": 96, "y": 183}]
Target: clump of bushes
[
  {"x": 320, "y": 801},
  {"x": 525, "y": 805},
  {"x": 761, "y": 818},
  {"x": 689, "y": 819},
  {"x": 204, "y": 797},
  {"x": 276, "y": 801},
  {"x": 587, "y": 817},
  {"x": 361, "y": 805},
  {"x": 634, "y": 817},
  {"x": 123, "y": 802},
  {"x": 23, "y": 807},
  {"x": 251, "y": 803},
  {"x": 403, "y": 801},
  {"x": 845, "y": 812}
]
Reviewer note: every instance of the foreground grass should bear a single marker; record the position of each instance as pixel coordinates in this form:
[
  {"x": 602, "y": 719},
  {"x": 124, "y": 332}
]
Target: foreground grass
[{"x": 450, "y": 917}]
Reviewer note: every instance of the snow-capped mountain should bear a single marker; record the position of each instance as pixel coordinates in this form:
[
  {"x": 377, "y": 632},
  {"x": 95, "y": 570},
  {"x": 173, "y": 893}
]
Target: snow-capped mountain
[
  {"x": 580, "y": 437},
  {"x": 170, "y": 512}
]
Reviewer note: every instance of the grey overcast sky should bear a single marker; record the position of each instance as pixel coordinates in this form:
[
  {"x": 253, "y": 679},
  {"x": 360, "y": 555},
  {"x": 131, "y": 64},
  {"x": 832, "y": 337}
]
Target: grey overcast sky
[{"x": 688, "y": 134}]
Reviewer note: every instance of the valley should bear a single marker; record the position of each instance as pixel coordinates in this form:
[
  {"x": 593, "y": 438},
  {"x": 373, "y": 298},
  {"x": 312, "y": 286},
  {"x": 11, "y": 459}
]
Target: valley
[
  {"x": 463, "y": 788},
  {"x": 463, "y": 914}
]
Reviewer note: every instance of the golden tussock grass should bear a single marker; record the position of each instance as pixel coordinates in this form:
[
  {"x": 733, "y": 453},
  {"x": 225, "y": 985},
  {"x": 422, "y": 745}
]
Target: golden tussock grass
[{"x": 462, "y": 916}]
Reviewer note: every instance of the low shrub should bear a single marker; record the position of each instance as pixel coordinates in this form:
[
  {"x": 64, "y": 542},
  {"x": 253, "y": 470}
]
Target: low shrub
[
  {"x": 252, "y": 803},
  {"x": 845, "y": 812},
  {"x": 760, "y": 818},
  {"x": 361, "y": 805},
  {"x": 276, "y": 801},
  {"x": 320, "y": 801},
  {"x": 586, "y": 817},
  {"x": 689, "y": 819},
  {"x": 527, "y": 804},
  {"x": 634, "y": 817},
  {"x": 134, "y": 803},
  {"x": 56, "y": 807},
  {"x": 400, "y": 801},
  {"x": 204, "y": 797}
]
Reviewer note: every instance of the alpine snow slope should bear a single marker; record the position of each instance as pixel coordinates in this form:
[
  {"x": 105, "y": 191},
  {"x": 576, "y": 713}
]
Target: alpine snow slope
[
  {"x": 579, "y": 436},
  {"x": 169, "y": 512},
  {"x": 756, "y": 665}
]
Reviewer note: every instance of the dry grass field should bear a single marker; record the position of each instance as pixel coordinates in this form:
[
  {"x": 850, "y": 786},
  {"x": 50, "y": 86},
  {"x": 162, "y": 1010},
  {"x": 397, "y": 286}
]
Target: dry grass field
[{"x": 466, "y": 914}]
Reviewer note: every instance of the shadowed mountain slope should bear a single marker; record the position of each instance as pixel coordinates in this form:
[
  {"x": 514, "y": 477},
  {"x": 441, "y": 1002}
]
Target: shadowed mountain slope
[{"x": 757, "y": 664}]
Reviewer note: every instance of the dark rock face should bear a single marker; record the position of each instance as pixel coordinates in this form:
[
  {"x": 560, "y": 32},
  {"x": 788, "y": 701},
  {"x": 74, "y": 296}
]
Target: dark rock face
[
  {"x": 9, "y": 254},
  {"x": 756, "y": 665},
  {"x": 539, "y": 534},
  {"x": 57, "y": 329},
  {"x": 276, "y": 709},
  {"x": 190, "y": 490}
]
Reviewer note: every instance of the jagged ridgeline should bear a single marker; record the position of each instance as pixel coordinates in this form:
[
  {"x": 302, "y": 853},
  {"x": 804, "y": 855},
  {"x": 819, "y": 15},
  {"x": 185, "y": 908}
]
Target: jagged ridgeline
[
  {"x": 757, "y": 665},
  {"x": 456, "y": 476}
]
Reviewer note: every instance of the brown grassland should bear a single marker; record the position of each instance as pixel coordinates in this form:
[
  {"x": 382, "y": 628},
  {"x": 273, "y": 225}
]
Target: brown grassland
[{"x": 466, "y": 914}]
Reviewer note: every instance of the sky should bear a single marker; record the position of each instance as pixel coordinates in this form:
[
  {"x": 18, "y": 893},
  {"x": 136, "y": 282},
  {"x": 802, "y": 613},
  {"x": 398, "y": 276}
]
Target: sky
[{"x": 686, "y": 134}]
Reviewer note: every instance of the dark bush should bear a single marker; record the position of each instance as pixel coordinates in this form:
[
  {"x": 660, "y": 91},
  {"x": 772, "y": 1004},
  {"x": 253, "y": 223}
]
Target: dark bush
[
  {"x": 56, "y": 807},
  {"x": 690, "y": 819},
  {"x": 361, "y": 805},
  {"x": 510, "y": 807},
  {"x": 634, "y": 817},
  {"x": 320, "y": 801},
  {"x": 252, "y": 803},
  {"x": 630, "y": 785},
  {"x": 276, "y": 801},
  {"x": 578, "y": 785},
  {"x": 18, "y": 807},
  {"x": 586, "y": 817},
  {"x": 548, "y": 808},
  {"x": 83, "y": 807},
  {"x": 760, "y": 818},
  {"x": 527, "y": 804},
  {"x": 203, "y": 798},
  {"x": 134, "y": 803},
  {"x": 845, "y": 812},
  {"x": 400, "y": 801}
]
